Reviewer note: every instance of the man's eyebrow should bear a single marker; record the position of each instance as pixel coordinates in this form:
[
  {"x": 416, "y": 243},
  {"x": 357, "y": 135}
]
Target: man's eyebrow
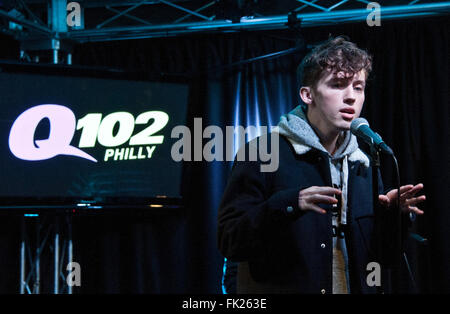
[
  {"x": 360, "y": 82},
  {"x": 338, "y": 79}
]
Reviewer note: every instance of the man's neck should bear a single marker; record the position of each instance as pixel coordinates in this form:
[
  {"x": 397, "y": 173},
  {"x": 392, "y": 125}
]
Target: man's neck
[{"x": 328, "y": 139}]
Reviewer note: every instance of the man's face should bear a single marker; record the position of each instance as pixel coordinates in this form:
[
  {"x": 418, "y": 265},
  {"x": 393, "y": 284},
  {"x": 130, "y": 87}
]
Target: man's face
[{"x": 338, "y": 99}]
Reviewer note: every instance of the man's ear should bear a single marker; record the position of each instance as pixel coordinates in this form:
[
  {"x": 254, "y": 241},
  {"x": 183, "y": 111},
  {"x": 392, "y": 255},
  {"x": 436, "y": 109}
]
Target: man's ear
[{"x": 306, "y": 95}]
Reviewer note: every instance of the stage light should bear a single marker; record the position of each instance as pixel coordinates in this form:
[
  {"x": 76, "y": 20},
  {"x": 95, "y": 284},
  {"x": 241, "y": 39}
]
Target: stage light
[{"x": 14, "y": 26}]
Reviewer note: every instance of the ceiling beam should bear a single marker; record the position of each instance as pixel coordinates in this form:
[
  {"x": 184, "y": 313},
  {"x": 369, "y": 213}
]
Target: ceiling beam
[
  {"x": 25, "y": 23},
  {"x": 262, "y": 23}
]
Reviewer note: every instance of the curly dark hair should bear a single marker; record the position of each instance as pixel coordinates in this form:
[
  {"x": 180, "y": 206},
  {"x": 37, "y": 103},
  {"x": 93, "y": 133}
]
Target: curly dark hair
[{"x": 335, "y": 55}]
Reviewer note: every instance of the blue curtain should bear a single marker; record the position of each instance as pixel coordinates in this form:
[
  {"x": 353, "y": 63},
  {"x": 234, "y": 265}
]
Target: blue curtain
[{"x": 252, "y": 95}]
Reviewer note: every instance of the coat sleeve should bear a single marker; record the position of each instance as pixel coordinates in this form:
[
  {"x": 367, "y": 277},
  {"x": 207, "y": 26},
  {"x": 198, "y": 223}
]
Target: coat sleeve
[{"x": 250, "y": 215}]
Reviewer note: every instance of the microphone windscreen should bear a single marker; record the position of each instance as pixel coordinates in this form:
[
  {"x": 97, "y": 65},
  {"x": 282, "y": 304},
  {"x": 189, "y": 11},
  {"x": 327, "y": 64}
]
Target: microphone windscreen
[{"x": 357, "y": 123}]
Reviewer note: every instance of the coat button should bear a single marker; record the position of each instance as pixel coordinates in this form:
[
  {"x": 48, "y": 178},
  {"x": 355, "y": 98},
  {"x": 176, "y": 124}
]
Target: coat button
[
  {"x": 322, "y": 291},
  {"x": 319, "y": 158},
  {"x": 322, "y": 245},
  {"x": 289, "y": 209}
]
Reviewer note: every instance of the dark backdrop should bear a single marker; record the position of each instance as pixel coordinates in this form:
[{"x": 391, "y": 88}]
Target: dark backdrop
[{"x": 407, "y": 102}]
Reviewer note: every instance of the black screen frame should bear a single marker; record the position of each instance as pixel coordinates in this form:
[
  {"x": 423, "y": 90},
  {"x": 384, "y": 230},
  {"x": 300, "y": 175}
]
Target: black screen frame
[{"x": 69, "y": 204}]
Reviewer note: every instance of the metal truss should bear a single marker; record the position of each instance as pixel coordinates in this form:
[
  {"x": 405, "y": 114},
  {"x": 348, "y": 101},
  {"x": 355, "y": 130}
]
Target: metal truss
[
  {"x": 36, "y": 233},
  {"x": 132, "y": 19}
]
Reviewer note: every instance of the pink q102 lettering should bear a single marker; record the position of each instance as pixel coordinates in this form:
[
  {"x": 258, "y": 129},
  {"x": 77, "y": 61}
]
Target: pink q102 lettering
[{"x": 62, "y": 128}]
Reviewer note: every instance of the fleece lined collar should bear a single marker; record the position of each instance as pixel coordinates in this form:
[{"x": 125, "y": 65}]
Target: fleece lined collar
[{"x": 300, "y": 134}]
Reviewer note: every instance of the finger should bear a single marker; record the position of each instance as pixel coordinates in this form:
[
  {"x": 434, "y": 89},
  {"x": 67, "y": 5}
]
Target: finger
[
  {"x": 415, "y": 210},
  {"x": 322, "y": 199},
  {"x": 315, "y": 208},
  {"x": 326, "y": 190},
  {"x": 415, "y": 200},
  {"x": 405, "y": 188},
  {"x": 393, "y": 193},
  {"x": 413, "y": 191},
  {"x": 384, "y": 200},
  {"x": 406, "y": 192}
]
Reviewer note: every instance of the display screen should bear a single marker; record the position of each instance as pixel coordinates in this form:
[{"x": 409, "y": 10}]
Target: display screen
[{"x": 88, "y": 137}]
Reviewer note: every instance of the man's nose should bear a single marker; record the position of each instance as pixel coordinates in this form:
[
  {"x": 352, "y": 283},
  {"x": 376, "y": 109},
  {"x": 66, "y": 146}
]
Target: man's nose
[{"x": 349, "y": 96}]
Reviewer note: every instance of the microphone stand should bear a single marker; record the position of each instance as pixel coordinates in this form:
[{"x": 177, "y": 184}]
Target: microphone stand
[
  {"x": 388, "y": 222},
  {"x": 388, "y": 255},
  {"x": 399, "y": 251},
  {"x": 377, "y": 214}
]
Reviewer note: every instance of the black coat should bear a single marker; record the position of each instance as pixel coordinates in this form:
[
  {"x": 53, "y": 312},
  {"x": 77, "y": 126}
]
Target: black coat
[{"x": 291, "y": 252}]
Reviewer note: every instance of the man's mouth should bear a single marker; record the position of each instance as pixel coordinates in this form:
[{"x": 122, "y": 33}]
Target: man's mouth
[
  {"x": 347, "y": 113},
  {"x": 349, "y": 110}
]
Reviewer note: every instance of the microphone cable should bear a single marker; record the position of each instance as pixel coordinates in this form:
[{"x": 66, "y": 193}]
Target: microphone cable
[{"x": 400, "y": 233}]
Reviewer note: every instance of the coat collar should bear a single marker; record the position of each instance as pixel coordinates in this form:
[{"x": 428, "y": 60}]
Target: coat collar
[{"x": 301, "y": 149}]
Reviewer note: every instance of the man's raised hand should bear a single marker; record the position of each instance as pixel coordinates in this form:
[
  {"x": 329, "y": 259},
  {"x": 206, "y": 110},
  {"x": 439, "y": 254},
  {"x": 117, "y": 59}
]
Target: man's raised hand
[
  {"x": 408, "y": 201},
  {"x": 309, "y": 198}
]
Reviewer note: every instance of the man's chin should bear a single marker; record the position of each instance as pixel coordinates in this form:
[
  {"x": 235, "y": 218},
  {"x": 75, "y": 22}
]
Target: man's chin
[{"x": 345, "y": 126}]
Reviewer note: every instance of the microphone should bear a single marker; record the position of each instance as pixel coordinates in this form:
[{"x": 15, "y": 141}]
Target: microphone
[{"x": 360, "y": 128}]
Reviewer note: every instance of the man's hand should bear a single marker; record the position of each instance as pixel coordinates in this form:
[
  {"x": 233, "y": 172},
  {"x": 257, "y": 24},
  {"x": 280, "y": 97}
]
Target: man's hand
[
  {"x": 407, "y": 200},
  {"x": 309, "y": 197}
]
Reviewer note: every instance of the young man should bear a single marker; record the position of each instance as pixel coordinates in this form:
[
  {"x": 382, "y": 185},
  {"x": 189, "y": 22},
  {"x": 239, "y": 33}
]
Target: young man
[{"x": 308, "y": 227}]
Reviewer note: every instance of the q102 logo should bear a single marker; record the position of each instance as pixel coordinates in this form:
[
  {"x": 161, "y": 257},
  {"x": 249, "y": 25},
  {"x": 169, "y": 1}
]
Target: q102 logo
[{"x": 93, "y": 128}]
